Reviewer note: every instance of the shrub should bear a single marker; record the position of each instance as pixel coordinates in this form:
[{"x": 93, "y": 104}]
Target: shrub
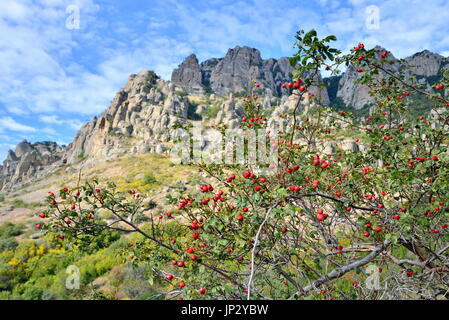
[
  {"x": 7, "y": 244},
  {"x": 181, "y": 93},
  {"x": 149, "y": 179},
  {"x": 323, "y": 225},
  {"x": 19, "y": 203},
  {"x": 9, "y": 229},
  {"x": 212, "y": 110}
]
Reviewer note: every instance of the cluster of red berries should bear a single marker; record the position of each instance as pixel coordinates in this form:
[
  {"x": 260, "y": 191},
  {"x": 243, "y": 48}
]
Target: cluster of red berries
[
  {"x": 295, "y": 85},
  {"x": 206, "y": 188},
  {"x": 248, "y": 175},
  {"x": 184, "y": 202},
  {"x": 231, "y": 178},
  {"x": 321, "y": 216}
]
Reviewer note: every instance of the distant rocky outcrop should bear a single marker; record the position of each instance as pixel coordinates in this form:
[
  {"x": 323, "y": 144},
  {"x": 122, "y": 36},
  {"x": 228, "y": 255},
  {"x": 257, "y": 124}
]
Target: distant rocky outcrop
[
  {"x": 189, "y": 76},
  {"x": 144, "y": 111},
  {"x": 143, "y": 114},
  {"x": 232, "y": 73},
  {"x": 427, "y": 67},
  {"x": 28, "y": 162}
]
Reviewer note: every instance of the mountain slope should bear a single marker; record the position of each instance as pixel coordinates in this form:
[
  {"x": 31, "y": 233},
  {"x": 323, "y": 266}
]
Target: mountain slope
[{"x": 142, "y": 114}]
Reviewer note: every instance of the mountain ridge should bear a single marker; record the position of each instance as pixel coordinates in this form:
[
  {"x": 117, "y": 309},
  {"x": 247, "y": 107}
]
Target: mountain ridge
[{"x": 141, "y": 115}]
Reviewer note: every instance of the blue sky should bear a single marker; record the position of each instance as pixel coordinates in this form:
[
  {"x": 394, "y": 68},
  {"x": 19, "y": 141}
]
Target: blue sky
[{"x": 54, "y": 78}]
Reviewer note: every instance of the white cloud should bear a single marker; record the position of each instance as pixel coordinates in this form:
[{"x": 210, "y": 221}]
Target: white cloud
[
  {"x": 59, "y": 76},
  {"x": 405, "y": 28},
  {"x": 40, "y": 75},
  {"x": 72, "y": 123},
  {"x": 8, "y": 123}
]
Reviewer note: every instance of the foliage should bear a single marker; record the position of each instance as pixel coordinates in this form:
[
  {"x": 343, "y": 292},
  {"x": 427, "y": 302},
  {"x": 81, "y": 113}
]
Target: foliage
[
  {"x": 212, "y": 110},
  {"x": 191, "y": 111},
  {"x": 149, "y": 179},
  {"x": 9, "y": 229},
  {"x": 322, "y": 225},
  {"x": 181, "y": 93},
  {"x": 19, "y": 203}
]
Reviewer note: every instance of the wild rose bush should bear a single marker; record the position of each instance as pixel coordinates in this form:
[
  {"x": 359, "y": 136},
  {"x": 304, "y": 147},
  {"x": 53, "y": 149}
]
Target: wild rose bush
[{"x": 366, "y": 224}]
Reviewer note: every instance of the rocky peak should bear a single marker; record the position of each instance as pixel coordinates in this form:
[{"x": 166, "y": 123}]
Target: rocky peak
[
  {"x": 232, "y": 73},
  {"x": 188, "y": 76},
  {"x": 142, "y": 114},
  {"x": 237, "y": 69},
  {"x": 426, "y": 63},
  {"x": 22, "y": 148},
  {"x": 28, "y": 161},
  {"x": 145, "y": 110}
]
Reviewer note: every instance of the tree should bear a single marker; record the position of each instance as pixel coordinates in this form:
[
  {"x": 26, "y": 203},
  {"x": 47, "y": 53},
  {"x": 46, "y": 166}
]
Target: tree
[{"x": 329, "y": 226}]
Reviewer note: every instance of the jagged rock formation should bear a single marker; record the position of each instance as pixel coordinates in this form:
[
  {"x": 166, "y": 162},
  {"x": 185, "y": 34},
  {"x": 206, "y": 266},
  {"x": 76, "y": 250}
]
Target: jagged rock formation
[
  {"x": 145, "y": 110},
  {"x": 143, "y": 113},
  {"x": 231, "y": 74},
  {"x": 188, "y": 76},
  {"x": 426, "y": 65},
  {"x": 29, "y": 161}
]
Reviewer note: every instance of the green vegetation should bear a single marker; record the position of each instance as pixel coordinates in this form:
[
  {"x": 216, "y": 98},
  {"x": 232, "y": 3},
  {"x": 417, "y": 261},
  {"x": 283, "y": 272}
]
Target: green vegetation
[
  {"x": 149, "y": 179},
  {"x": 37, "y": 269},
  {"x": 8, "y": 230},
  {"x": 181, "y": 93},
  {"x": 191, "y": 111},
  {"x": 19, "y": 203},
  {"x": 82, "y": 156},
  {"x": 212, "y": 110}
]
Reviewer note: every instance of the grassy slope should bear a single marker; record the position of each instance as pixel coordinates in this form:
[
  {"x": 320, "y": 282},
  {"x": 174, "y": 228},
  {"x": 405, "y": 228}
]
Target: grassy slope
[{"x": 153, "y": 175}]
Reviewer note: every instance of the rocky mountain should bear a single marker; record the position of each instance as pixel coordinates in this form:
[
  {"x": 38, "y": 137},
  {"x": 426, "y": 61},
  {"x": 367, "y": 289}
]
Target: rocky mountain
[
  {"x": 237, "y": 69},
  {"x": 426, "y": 65},
  {"x": 29, "y": 161},
  {"x": 140, "y": 119},
  {"x": 142, "y": 115}
]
